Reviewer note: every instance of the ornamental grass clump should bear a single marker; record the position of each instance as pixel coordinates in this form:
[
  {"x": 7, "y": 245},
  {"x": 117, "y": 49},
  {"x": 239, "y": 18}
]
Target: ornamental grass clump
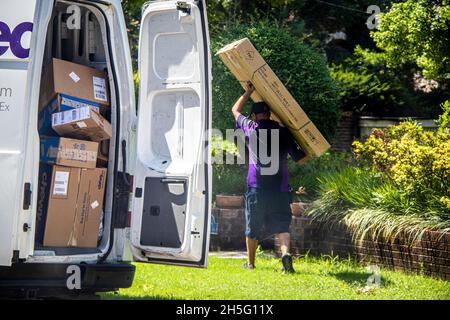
[
  {"x": 401, "y": 184},
  {"x": 415, "y": 161}
]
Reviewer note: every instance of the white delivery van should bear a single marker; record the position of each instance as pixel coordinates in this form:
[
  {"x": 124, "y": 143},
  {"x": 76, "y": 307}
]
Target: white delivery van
[{"x": 158, "y": 189}]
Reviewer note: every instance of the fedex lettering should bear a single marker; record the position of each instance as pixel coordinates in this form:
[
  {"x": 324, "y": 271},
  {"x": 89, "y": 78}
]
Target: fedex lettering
[{"x": 14, "y": 39}]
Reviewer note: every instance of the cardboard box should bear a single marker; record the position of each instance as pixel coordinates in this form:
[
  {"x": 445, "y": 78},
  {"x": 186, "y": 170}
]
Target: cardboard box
[
  {"x": 103, "y": 154},
  {"x": 246, "y": 64},
  {"x": 68, "y": 152},
  {"x": 60, "y": 102},
  {"x": 75, "y": 80},
  {"x": 70, "y": 206},
  {"x": 82, "y": 123}
]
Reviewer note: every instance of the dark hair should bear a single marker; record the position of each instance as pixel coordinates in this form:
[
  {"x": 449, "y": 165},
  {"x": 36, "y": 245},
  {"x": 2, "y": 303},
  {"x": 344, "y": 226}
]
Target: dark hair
[{"x": 259, "y": 107}]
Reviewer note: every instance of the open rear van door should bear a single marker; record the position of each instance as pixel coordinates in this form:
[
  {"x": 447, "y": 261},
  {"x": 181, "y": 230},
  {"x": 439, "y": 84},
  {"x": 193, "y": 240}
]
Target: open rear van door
[
  {"x": 172, "y": 179},
  {"x": 19, "y": 86}
]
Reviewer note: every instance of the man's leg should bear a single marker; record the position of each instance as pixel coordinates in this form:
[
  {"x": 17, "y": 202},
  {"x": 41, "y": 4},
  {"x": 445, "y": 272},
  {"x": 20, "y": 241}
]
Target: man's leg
[
  {"x": 285, "y": 239},
  {"x": 286, "y": 258},
  {"x": 252, "y": 245},
  {"x": 253, "y": 214}
]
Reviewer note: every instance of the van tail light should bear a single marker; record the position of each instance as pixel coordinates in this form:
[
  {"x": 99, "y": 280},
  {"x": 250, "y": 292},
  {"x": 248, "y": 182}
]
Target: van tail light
[
  {"x": 131, "y": 183},
  {"x": 129, "y": 219}
]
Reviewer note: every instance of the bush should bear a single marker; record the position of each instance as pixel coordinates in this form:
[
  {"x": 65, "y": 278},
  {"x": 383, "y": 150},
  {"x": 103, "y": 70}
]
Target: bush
[
  {"x": 300, "y": 68},
  {"x": 227, "y": 178},
  {"x": 308, "y": 175},
  {"x": 415, "y": 161},
  {"x": 401, "y": 184},
  {"x": 366, "y": 85}
]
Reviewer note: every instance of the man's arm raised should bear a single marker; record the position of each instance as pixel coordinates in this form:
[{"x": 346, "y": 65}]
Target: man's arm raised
[{"x": 240, "y": 103}]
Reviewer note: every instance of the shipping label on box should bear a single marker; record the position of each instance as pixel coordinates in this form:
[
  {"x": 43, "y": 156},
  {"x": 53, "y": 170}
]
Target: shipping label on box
[
  {"x": 246, "y": 64},
  {"x": 82, "y": 123},
  {"x": 68, "y": 152},
  {"x": 61, "y": 103},
  {"x": 61, "y": 206}
]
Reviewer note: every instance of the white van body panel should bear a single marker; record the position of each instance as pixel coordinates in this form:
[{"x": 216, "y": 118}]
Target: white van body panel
[
  {"x": 19, "y": 152},
  {"x": 19, "y": 155},
  {"x": 18, "y": 143}
]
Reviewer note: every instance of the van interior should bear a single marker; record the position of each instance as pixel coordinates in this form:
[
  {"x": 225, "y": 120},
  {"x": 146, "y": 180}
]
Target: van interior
[{"x": 86, "y": 46}]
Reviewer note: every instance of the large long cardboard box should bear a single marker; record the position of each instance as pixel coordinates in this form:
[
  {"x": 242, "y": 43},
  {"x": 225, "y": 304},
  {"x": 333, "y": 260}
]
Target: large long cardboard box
[
  {"x": 246, "y": 64},
  {"x": 74, "y": 80},
  {"x": 70, "y": 203}
]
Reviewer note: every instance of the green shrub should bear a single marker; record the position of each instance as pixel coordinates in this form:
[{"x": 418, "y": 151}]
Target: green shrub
[
  {"x": 401, "y": 184},
  {"x": 300, "y": 68},
  {"x": 229, "y": 179},
  {"x": 414, "y": 160},
  {"x": 366, "y": 85},
  {"x": 308, "y": 175}
]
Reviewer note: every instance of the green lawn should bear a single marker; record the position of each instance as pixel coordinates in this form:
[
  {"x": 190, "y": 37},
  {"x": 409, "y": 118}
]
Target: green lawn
[{"x": 324, "y": 278}]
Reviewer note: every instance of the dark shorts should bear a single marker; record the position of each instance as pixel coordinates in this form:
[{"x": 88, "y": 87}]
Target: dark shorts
[{"x": 266, "y": 213}]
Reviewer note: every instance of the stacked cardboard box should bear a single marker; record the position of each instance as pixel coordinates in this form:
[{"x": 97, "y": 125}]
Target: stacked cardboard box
[
  {"x": 71, "y": 125},
  {"x": 247, "y": 64}
]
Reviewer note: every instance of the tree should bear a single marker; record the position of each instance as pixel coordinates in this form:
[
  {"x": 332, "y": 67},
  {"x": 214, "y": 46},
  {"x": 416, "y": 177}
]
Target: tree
[{"x": 417, "y": 32}]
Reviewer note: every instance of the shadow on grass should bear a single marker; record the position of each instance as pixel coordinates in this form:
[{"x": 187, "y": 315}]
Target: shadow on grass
[{"x": 358, "y": 278}]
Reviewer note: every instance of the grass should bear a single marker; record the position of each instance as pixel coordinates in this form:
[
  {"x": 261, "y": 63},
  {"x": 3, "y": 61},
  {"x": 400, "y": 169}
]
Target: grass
[{"x": 316, "y": 278}]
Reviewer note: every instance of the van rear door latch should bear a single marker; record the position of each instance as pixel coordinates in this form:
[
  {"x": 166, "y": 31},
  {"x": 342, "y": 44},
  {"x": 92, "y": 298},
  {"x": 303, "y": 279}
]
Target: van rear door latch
[{"x": 184, "y": 7}]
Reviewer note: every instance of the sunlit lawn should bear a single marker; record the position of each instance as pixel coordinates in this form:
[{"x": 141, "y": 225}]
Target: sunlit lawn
[{"x": 316, "y": 278}]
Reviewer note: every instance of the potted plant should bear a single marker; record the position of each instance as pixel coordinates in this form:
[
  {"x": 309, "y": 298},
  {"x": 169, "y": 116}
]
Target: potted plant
[
  {"x": 229, "y": 201},
  {"x": 297, "y": 206}
]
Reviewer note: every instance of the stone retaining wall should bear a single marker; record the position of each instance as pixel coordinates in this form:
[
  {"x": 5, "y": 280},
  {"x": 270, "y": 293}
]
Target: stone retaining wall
[{"x": 430, "y": 256}]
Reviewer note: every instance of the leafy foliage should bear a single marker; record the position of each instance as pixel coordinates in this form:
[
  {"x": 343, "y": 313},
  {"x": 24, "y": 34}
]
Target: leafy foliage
[
  {"x": 401, "y": 184},
  {"x": 365, "y": 84},
  {"x": 309, "y": 174},
  {"x": 415, "y": 161},
  {"x": 417, "y": 32},
  {"x": 299, "y": 67}
]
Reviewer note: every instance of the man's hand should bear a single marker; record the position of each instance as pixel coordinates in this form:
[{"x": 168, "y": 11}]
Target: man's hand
[
  {"x": 240, "y": 103},
  {"x": 249, "y": 89}
]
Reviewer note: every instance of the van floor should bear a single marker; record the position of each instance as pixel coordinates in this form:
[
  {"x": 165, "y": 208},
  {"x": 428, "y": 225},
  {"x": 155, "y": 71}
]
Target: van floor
[{"x": 63, "y": 251}]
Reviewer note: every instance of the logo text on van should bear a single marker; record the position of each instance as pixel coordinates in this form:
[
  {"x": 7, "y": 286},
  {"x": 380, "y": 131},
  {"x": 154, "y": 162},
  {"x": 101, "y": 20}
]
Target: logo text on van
[{"x": 13, "y": 39}]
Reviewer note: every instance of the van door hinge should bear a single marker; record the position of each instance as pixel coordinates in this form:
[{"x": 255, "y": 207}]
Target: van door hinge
[
  {"x": 184, "y": 7},
  {"x": 27, "y": 196}
]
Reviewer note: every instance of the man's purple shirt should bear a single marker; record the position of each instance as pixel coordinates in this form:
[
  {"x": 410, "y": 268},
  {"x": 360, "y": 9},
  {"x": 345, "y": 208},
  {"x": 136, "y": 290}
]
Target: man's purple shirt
[{"x": 287, "y": 147}]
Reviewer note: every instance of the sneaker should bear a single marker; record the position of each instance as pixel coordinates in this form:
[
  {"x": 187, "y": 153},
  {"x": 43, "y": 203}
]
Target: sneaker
[
  {"x": 248, "y": 266},
  {"x": 287, "y": 264}
]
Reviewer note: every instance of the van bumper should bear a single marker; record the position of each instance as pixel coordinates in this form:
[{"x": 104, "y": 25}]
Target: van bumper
[{"x": 41, "y": 280}]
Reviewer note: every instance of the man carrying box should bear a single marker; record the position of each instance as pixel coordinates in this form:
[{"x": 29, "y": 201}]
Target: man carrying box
[{"x": 267, "y": 201}]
